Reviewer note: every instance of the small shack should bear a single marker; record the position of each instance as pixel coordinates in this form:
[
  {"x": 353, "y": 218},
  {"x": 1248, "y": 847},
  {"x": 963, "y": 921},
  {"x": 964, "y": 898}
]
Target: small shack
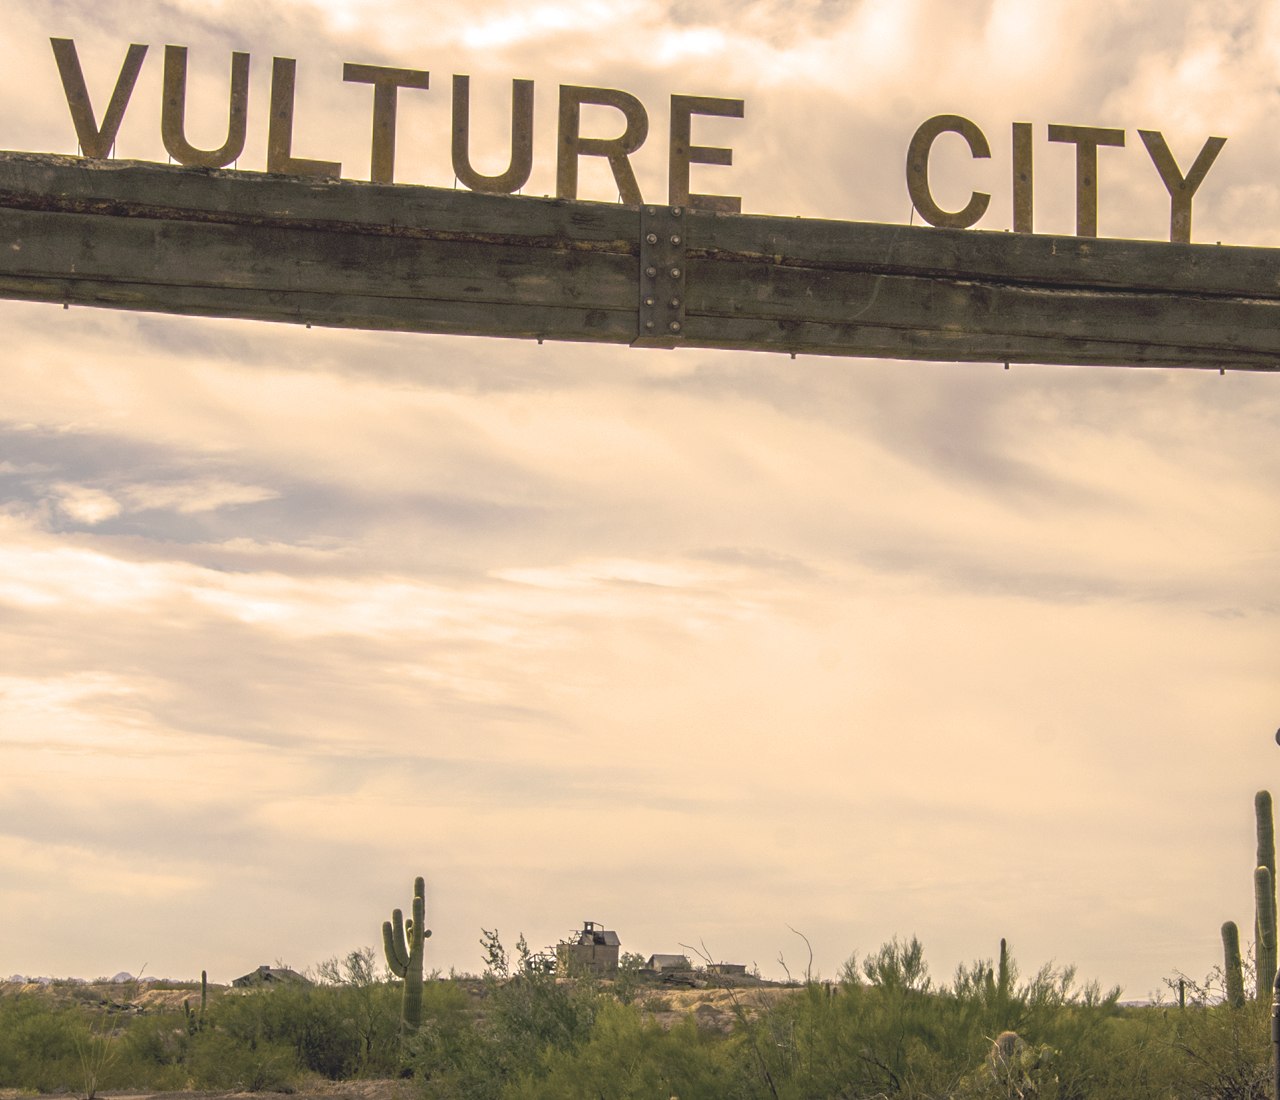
[
  {"x": 728, "y": 970},
  {"x": 660, "y": 963},
  {"x": 269, "y": 975},
  {"x": 594, "y": 950}
]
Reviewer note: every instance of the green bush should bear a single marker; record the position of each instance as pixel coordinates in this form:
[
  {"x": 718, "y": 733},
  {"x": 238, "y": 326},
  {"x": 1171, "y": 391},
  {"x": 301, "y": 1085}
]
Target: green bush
[
  {"x": 153, "y": 1053},
  {"x": 57, "y": 1048},
  {"x": 524, "y": 1018},
  {"x": 884, "y": 1030},
  {"x": 338, "y": 1032},
  {"x": 38, "y": 1045},
  {"x": 626, "y": 1057},
  {"x": 1223, "y": 1052},
  {"x": 221, "y": 1060}
]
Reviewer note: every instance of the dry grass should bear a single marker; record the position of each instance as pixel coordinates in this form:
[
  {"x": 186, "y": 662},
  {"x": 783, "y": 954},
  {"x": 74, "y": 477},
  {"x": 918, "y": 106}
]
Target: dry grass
[{"x": 714, "y": 1009}]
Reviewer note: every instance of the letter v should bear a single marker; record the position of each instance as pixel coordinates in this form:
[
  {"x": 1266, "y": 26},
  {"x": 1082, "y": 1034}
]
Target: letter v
[{"x": 95, "y": 141}]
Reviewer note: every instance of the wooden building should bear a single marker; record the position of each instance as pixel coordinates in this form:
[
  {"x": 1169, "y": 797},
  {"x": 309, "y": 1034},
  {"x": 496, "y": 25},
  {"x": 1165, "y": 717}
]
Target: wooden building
[{"x": 594, "y": 950}]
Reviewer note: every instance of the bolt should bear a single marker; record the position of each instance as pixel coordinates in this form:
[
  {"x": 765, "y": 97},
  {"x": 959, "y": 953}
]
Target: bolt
[
  {"x": 676, "y": 211},
  {"x": 650, "y": 211},
  {"x": 650, "y": 302},
  {"x": 675, "y": 238},
  {"x": 651, "y": 271},
  {"x": 648, "y": 324},
  {"x": 675, "y": 273},
  {"x": 674, "y": 326},
  {"x": 675, "y": 303},
  {"x": 652, "y": 238}
]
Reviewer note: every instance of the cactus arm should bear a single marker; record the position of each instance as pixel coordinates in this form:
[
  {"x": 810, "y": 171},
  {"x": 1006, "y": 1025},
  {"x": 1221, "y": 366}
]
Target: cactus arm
[
  {"x": 1233, "y": 969},
  {"x": 398, "y": 935},
  {"x": 1264, "y": 895},
  {"x": 1266, "y": 832},
  {"x": 393, "y": 945},
  {"x": 419, "y": 914}
]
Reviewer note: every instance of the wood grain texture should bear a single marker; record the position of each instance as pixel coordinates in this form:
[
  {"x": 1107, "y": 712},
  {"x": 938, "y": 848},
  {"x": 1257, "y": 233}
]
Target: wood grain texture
[{"x": 352, "y": 254}]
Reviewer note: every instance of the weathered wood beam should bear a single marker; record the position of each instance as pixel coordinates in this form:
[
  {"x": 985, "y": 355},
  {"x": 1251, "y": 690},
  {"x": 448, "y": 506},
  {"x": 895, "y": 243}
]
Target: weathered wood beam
[{"x": 131, "y": 235}]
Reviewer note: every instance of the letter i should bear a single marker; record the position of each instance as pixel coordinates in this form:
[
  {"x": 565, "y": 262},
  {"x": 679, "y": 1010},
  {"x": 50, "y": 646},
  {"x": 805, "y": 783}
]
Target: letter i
[{"x": 1023, "y": 176}]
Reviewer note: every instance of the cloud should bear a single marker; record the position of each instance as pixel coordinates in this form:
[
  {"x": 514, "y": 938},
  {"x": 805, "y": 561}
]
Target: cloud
[
  {"x": 862, "y": 647},
  {"x": 86, "y": 505}
]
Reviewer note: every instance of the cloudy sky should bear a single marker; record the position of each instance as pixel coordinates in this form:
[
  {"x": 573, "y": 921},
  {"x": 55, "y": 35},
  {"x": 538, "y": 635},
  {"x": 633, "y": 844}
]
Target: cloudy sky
[{"x": 703, "y": 646}]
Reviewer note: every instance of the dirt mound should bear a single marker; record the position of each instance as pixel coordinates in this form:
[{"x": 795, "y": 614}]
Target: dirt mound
[
  {"x": 137, "y": 996},
  {"x": 713, "y": 1009}
]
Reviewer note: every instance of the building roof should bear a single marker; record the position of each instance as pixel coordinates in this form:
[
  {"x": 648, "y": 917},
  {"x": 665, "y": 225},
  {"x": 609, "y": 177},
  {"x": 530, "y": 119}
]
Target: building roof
[
  {"x": 599, "y": 937},
  {"x": 269, "y": 975},
  {"x": 669, "y": 962},
  {"x": 593, "y": 933}
]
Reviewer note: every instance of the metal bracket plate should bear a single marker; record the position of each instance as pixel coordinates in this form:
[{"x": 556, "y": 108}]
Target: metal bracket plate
[{"x": 660, "y": 317}]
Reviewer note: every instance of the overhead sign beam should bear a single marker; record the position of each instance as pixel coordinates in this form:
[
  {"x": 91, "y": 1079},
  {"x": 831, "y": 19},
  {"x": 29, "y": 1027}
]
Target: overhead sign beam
[{"x": 131, "y": 235}]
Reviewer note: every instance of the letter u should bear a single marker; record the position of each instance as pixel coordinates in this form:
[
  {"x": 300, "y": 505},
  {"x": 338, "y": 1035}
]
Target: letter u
[
  {"x": 521, "y": 164},
  {"x": 173, "y": 117}
]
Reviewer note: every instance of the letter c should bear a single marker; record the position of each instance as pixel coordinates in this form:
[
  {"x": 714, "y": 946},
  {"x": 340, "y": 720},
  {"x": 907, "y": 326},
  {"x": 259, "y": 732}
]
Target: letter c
[{"x": 918, "y": 171}]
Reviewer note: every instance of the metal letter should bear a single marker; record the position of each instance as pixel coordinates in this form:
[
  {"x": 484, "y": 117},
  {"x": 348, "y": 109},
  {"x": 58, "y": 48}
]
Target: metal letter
[
  {"x": 1023, "y": 179},
  {"x": 1181, "y": 190},
  {"x": 95, "y": 141},
  {"x": 918, "y": 171},
  {"x": 387, "y": 83},
  {"x": 521, "y": 163},
  {"x": 571, "y": 145},
  {"x": 1086, "y": 140},
  {"x": 174, "y": 113},
  {"x": 683, "y": 153},
  {"x": 280, "y": 156}
]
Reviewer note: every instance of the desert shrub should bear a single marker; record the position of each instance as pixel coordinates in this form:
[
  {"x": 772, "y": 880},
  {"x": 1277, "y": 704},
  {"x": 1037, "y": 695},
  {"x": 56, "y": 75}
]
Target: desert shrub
[
  {"x": 369, "y": 1006},
  {"x": 73, "y": 1047},
  {"x": 319, "y": 1025},
  {"x": 456, "y": 1054},
  {"x": 882, "y": 1030},
  {"x": 222, "y": 1060},
  {"x": 886, "y": 1030},
  {"x": 344, "y": 1026},
  {"x": 153, "y": 1054},
  {"x": 627, "y": 1057},
  {"x": 1223, "y": 1052},
  {"x": 451, "y": 1055},
  {"x": 38, "y": 1045},
  {"x": 626, "y": 984}
]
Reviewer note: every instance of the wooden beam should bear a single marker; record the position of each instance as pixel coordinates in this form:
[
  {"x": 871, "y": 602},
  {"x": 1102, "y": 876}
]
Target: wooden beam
[{"x": 131, "y": 235}]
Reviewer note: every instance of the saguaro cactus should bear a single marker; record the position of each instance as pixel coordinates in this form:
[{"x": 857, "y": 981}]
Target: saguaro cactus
[
  {"x": 1233, "y": 969},
  {"x": 1266, "y": 832},
  {"x": 1264, "y": 948},
  {"x": 1264, "y": 896},
  {"x": 195, "y": 1022},
  {"x": 402, "y": 941}
]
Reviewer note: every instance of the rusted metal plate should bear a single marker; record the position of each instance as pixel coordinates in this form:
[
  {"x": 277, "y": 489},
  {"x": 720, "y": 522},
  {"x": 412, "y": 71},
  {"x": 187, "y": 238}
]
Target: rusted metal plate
[
  {"x": 663, "y": 264},
  {"x": 310, "y": 250}
]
